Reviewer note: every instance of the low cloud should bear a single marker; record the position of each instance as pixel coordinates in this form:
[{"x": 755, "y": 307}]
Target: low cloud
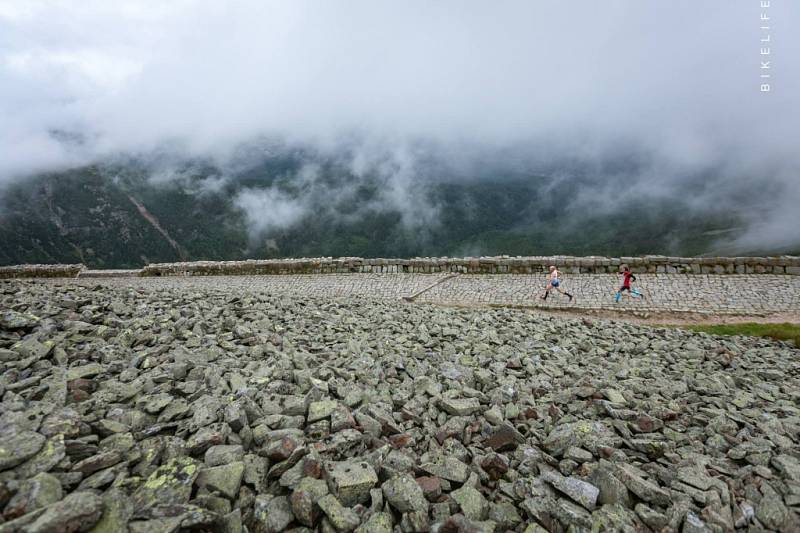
[
  {"x": 331, "y": 182},
  {"x": 629, "y": 99},
  {"x": 267, "y": 210}
]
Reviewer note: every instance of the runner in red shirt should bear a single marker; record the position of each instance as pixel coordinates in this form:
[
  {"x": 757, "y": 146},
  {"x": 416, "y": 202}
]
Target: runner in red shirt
[{"x": 626, "y": 284}]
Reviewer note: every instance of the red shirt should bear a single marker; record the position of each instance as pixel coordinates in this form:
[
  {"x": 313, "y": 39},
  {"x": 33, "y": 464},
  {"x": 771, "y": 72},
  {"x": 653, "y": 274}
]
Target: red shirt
[{"x": 627, "y": 281}]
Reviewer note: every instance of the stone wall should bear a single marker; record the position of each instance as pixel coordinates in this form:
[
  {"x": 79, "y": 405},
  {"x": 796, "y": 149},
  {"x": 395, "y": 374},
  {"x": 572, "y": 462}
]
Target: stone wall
[
  {"x": 484, "y": 265},
  {"x": 40, "y": 271},
  {"x": 652, "y": 264},
  {"x": 109, "y": 273}
]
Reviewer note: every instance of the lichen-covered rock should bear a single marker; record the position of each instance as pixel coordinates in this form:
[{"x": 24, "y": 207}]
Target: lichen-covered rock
[
  {"x": 78, "y": 511},
  {"x": 404, "y": 494},
  {"x": 225, "y": 479},
  {"x": 460, "y": 407},
  {"x": 224, "y": 454},
  {"x": 350, "y": 481},
  {"x": 472, "y": 503},
  {"x": 233, "y": 405},
  {"x": 272, "y": 514},
  {"x": 376, "y": 523},
  {"x": 34, "y": 493},
  {"x": 448, "y": 468},
  {"x": 341, "y": 517},
  {"x": 305, "y": 498},
  {"x": 117, "y": 512},
  {"x": 171, "y": 483},
  {"x": 641, "y": 487},
  {"x": 320, "y": 410},
  {"x": 18, "y": 446},
  {"x": 585, "y": 433},
  {"x": 12, "y": 320},
  {"x": 580, "y": 491},
  {"x": 32, "y": 348},
  {"x": 51, "y": 454}
]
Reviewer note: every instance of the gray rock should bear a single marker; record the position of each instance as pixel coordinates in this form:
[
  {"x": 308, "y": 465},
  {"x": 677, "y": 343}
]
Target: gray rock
[
  {"x": 646, "y": 490},
  {"x": 225, "y": 479},
  {"x": 32, "y": 348},
  {"x": 415, "y": 521},
  {"x": 117, "y": 512},
  {"x": 612, "y": 490},
  {"x": 787, "y": 465},
  {"x": 11, "y": 320},
  {"x": 460, "y": 407},
  {"x": 79, "y": 511},
  {"x": 578, "y": 455},
  {"x": 207, "y": 437},
  {"x": 156, "y": 403},
  {"x": 496, "y": 417},
  {"x": 255, "y": 471},
  {"x": 447, "y": 468},
  {"x": 653, "y": 519},
  {"x": 580, "y": 491},
  {"x": 304, "y": 500},
  {"x": 571, "y": 515},
  {"x": 472, "y": 503},
  {"x": 97, "y": 462},
  {"x": 771, "y": 511},
  {"x": 84, "y": 371},
  {"x": 376, "y": 523},
  {"x": 51, "y": 454},
  {"x": 505, "y": 514},
  {"x": 615, "y": 517},
  {"x": 18, "y": 447},
  {"x": 320, "y": 410},
  {"x": 34, "y": 493},
  {"x": 342, "y": 518},
  {"x": 232, "y": 522},
  {"x": 235, "y": 416},
  {"x": 205, "y": 411},
  {"x": 224, "y": 454},
  {"x": 404, "y": 494},
  {"x": 693, "y": 524},
  {"x": 272, "y": 514},
  {"x": 585, "y": 433},
  {"x": 171, "y": 483},
  {"x": 350, "y": 481}
]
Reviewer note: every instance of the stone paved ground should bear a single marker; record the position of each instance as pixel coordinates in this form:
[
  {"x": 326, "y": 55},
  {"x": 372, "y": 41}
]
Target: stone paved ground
[
  {"x": 377, "y": 286},
  {"x": 663, "y": 292},
  {"x": 718, "y": 294}
]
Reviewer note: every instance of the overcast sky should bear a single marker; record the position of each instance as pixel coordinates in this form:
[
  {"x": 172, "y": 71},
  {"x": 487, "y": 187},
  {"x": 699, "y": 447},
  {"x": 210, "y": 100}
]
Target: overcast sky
[{"x": 676, "y": 80}]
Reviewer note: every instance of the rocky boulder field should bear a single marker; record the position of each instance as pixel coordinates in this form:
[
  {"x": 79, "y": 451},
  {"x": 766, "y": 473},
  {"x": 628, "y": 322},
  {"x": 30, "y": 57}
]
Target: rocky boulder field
[{"x": 162, "y": 408}]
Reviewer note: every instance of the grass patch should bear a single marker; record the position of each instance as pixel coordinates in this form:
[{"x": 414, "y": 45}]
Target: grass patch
[{"x": 781, "y": 332}]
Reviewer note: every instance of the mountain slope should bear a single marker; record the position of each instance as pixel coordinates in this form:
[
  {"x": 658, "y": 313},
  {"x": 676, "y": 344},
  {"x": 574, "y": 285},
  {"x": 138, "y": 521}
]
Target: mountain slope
[{"x": 124, "y": 215}]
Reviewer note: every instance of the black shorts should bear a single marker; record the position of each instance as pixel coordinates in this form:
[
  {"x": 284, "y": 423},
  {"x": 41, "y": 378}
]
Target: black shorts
[{"x": 624, "y": 288}]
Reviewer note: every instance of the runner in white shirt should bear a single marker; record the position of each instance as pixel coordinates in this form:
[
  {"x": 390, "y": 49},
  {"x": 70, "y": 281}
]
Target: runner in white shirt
[{"x": 554, "y": 283}]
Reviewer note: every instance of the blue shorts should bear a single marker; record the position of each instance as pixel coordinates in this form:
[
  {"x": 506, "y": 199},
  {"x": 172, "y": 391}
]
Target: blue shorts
[{"x": 554, "y": 283}]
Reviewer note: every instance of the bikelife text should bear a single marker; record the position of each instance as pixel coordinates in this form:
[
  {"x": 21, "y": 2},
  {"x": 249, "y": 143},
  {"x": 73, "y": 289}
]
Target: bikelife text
[{"x": 766, "y": 51}]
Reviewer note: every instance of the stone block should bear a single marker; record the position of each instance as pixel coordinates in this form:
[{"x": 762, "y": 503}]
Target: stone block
[{"x": 350, "y": 481}]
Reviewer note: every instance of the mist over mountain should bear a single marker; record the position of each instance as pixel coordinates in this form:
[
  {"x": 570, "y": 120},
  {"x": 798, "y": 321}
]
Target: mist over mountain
[
  {"x": 146, "y": 131},
  {"x": 291, "y": 201}
]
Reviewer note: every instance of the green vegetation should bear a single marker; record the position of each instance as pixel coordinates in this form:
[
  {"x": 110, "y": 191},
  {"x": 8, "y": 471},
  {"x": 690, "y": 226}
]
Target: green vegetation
[
  {"x": 87, "y": 215},
  {"x": 783, "y": 332}
]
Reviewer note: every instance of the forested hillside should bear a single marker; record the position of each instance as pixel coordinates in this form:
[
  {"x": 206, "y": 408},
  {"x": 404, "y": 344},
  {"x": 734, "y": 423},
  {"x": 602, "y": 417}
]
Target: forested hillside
[{"x": 127, "y": 214}]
